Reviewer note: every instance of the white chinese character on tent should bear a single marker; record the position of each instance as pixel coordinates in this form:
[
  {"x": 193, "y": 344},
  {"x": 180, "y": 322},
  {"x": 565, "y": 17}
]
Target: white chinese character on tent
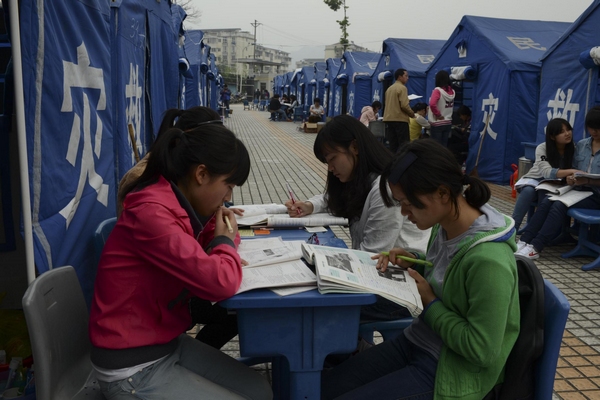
[
  {"x": 426, "y": 58},
  {"x": 350, "y": 103},
  {"x": 524, "y": 43},
  {"x": 489, "y": 107},
  {"x": 376, "y": 96},
  {"x": 82, "y": 75},
  {"x": 133, "y": 110},
  {"x": 336, "y": 104},
  {"x": 561, "y": 106}
]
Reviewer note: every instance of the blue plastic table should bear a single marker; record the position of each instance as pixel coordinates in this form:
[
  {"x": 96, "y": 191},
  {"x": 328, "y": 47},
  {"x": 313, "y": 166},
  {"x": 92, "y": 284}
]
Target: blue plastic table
[
  {"x": 296, "y": 234},
  {"x": 304, "y": 328}
]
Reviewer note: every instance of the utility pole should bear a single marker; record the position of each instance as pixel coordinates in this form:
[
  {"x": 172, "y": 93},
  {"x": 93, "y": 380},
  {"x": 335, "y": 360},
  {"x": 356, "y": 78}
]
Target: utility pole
[{"x": 255, "y": 25}]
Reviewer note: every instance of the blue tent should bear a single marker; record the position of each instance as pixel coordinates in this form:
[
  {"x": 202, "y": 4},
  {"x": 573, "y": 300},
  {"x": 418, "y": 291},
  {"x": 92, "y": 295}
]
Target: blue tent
[
  {"x": 332, "y": 99},
  {"x": 98, "y": 76},
  {"x": 72, "y": 137},
  {"x": 306, "y": 85},
  {"x": 193, "y": 85},
  {"x": 496, "y": 65},
  {"x": 570, "y": 85},
  {"x": 414, "y": 55},
  {"x": 287, "y": 83},
  {"x": 212, "y": 89},
  {"x": 178, "y": 15},
  {"x": 320, "y": 70},
  {"x": 354, "y": 77},
  {"x": 295, "y": 82}
]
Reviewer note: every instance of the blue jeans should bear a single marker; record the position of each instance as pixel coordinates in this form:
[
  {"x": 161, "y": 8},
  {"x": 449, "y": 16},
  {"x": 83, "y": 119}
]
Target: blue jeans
[
  {"x": 395, "y": 369},
  {"x": 546, "y": 223},
  {"x": 193, "y": 371},
  {"x": 527, "y": 195},
  {"x": 382, "y": 310},
  {"x": 440, "y": 134},
  {"x": 280, "y": 112}
]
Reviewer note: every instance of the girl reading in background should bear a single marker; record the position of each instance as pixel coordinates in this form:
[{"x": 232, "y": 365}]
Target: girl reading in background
[
  {"x": 549, "y": 217},
  {"x": 458, "y": 347},
  {"x": 170, "y": 243},
  {"x": 553, "y": 160},
  {"x": 355, "y": 160}
]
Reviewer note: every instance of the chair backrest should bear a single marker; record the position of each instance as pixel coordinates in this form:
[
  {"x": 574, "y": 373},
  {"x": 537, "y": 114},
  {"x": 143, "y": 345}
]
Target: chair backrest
[
  {"x": 377, "y": 128},
  {"x": 102, "y": 233},
  {"x": 57, "y": 320},
  {"x": 556, "y": 311}
]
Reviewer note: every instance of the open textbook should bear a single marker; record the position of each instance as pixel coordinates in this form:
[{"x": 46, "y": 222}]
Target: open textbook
[
  {"x": 275, "y": 216},
  {"x": 341, "y": 270},
  {"x": 273, "y": 263}
]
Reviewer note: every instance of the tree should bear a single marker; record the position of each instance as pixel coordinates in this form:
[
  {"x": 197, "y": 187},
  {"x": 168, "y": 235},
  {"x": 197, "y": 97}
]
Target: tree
[
  {"x": 193, "y": 14},
  {"x": 335, "y": 5}
]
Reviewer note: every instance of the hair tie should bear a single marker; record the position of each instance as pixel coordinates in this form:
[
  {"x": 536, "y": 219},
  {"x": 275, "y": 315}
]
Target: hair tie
[
  {"x": 400, "y": 168},
  {"x": 466, "y": 180}
]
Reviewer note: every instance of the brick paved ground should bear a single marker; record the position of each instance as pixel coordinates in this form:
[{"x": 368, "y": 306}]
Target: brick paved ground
[{"x": 281, "y": 153}]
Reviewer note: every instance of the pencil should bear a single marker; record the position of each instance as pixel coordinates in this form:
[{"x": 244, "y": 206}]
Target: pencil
[
  {"x": 410, "y": 259},
  {"x": 229, "y": 228}
]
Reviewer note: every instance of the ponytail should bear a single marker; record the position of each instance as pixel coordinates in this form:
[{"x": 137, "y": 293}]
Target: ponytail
[
  {"x": 422, "y": 167},
  {"x": 176, "y": 152}
]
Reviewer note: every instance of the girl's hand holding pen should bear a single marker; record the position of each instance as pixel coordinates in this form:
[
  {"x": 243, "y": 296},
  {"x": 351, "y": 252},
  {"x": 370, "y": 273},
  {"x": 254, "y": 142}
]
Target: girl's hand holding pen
[
  {"x": 393, "y": 256},
  {"x": 299, "y": 208},
  {"x": 225, "y": 223}
]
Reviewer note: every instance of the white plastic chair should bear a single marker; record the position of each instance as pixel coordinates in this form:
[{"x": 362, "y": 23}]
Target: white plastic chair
[{"x": 57, "y": 320}]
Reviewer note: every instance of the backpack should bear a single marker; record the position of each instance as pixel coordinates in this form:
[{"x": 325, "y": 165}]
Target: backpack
[{"x": 519, "y": 381}]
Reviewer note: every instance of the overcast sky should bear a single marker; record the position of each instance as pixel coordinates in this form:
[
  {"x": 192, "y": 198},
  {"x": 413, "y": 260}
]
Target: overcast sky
[{"x": 302, "y": 24}]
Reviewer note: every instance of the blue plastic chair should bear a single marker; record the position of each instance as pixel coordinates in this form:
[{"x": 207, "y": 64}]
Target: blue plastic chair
[
  {"x": 388, "y": 329},
  {"x": 101, "y": 235},
  {"x": 298, "y": 114},
  {"x": 589, "y": 220},
  {"x": 556, "y": 311}
]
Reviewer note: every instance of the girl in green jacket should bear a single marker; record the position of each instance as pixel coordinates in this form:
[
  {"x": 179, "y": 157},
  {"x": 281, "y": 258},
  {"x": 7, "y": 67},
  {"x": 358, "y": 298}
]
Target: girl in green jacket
[{"x": 458, "y": 346}]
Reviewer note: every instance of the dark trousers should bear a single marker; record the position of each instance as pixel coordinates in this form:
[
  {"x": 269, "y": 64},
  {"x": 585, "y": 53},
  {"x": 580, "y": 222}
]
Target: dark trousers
[
  {"x": 546, "y": 223},
  {"x": 395, "y": 369},
  {"x": 219, "y": 325},
  {"x": 397, "y": 134}
]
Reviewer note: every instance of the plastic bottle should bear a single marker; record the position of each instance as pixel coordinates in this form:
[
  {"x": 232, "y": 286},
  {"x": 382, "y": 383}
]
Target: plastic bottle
[
  {"x": 12, "y": 371},
  {"x": 30, "y": 385},
  {"x": 20, "y": 380}
]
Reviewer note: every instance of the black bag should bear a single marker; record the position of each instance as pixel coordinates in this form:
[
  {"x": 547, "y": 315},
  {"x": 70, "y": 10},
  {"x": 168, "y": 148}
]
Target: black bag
[{"x": 519, "y": 383}]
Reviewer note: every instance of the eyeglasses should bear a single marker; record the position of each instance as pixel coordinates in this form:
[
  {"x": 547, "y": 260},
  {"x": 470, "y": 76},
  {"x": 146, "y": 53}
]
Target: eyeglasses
[{"x": 313, "y": 239}]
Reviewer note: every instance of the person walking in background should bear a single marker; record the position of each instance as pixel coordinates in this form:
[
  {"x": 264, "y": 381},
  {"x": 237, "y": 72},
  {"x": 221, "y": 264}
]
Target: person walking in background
[
  {"x": 225, "y": 98},
  {"x": 397, "y": 111},
  {"x": 419, "y": 122},
  {"x": 370, "y": 113},
  {"x": 257, "y": 94},
  {"x": 441, "y": 105}
]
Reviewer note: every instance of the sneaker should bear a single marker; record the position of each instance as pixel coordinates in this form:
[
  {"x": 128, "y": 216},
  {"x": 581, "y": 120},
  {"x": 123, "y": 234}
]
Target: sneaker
[
  {"x": 520, "y": 245},
  {"x": 529, "y": 252}
]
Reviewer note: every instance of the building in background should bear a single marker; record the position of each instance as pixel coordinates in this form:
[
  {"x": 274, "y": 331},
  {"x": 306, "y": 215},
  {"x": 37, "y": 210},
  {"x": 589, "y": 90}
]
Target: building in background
[
  {"x": 308, "y": 62},
  {"x": 244, "y": 64},
  {"x": 337, "y": 50}
]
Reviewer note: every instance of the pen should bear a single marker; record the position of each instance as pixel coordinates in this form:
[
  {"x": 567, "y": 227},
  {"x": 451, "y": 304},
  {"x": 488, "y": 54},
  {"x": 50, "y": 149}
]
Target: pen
[
  {"x": 289, "y": 188},
  {"x": 410, "y": 259},
  {"x": 290, "y": 192},
  {"x": 229, "y": 228}
]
